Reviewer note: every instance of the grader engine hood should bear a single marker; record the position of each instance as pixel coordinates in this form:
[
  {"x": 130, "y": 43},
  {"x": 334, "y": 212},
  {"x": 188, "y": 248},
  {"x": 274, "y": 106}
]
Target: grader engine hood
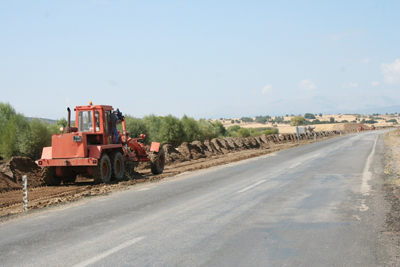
[{"x": 70, "y": 145}]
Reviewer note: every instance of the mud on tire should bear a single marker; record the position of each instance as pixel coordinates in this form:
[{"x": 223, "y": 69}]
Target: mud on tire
[
  {"x": 117, "y": 165},
  {"x": 157, "y": 162},
  {"x": 49, "y": 177},
  {"x": 102, "y": 172}
]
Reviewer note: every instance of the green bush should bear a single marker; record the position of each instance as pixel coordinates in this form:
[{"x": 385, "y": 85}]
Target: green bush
[
  {"x": 209, "y": 130},
  {"x": 153, "y": 124},
  {"x": 243, "y": 132},
  {"x": 34, "y": 138},
  {"x": 271, "y": 131},
  {"x": 297, "y": 120},
  {"x": 220, "y": 128},
  {"x": 192, "y": 129},
  {"x": 136, "y": 127},
  {"x": 171, "y": 131}
]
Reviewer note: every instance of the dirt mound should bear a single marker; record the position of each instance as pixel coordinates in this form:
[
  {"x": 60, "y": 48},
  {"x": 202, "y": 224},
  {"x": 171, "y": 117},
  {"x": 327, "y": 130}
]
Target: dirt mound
[
  {"x": 171, "y": 154},
  {"x": 6, "y": 184},
  {"x": 190, "y": 151},
  {"x": 12, "y": 171}
]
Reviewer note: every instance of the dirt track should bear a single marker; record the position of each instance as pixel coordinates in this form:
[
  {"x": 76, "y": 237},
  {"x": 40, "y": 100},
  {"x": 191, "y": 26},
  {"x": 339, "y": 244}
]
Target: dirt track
[{"x": 187, "y": 157}]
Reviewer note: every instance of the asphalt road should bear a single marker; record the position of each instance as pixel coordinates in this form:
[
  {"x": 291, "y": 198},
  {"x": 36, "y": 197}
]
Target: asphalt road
[{"x": 313, "y": 205}]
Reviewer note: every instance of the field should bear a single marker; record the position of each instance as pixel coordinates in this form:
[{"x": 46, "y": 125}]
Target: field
[{"x": 286, "y": 128}]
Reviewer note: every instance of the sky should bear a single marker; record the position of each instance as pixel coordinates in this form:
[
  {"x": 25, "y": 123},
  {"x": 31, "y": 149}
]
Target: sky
[{"x": 205, "y": 59}]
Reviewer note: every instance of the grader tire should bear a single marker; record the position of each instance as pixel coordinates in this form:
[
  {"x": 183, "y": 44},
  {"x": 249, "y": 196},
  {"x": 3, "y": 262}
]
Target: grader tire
[
  {"x": 102, "y": 172},
  {"x": 49, "y": 177},
  {"x": 157, "y": 162},
  {"x": 70, "y": 179},
  {"x": 117, "y": 165}
]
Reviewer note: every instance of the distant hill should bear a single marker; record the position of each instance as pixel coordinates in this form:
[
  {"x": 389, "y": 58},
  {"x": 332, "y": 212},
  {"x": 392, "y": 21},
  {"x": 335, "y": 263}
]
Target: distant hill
[{"x": 48, "y": 121}]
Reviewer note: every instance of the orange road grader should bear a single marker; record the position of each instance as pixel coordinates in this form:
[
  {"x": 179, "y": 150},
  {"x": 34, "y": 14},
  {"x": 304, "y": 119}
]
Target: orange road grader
[{"x": 90, "y": 149}]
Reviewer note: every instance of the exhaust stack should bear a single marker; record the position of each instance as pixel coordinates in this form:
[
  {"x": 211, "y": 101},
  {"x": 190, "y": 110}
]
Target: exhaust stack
[{"x": 68, "y": 129}]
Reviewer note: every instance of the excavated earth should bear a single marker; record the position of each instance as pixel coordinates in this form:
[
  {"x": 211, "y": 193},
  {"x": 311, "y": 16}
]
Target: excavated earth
[{"x": 187, "y": 157}]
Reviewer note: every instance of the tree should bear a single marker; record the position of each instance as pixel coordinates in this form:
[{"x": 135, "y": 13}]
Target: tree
[
  {"x": 34, "y": 138},
  {"x": 320, "y": 114},
  {"x": 220, "y": 127},
  {"x": 136, "y": 127},
  {"x": 55, "y": 128},
  {"x": 192, "y": 129},
  {"x": 209, "y": 129},
  {"x": 232, "y": 131},
  {"x": 331, "y": 119},
  {"x": 12, "y": 126},
  {"x": 246, "y": 119},
  {"x": 171, "y": 131},
  {"x": 244, "y": 132},
  {"x": 153, "y": 124},
  {"x": 309, "y": 116},
  {"x": 297, "y": 120}
]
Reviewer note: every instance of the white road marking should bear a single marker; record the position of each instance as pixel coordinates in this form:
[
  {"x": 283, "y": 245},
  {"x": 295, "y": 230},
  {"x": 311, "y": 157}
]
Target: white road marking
[
  {"x": 109, "y": 252},
  {"x": 366, "y": 176},
  {"x": 291, "y": 167},
  {"x": 251, "y": 186},
  {"x": 316, "y": 155},
  {"x": 363, "y": 207}
]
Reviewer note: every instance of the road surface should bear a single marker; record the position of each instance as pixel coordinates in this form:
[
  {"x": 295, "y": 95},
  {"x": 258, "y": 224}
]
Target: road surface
[{"x": 313, "y": 205}]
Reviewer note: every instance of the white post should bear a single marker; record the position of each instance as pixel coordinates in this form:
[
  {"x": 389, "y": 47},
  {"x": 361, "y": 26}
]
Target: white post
[
  {"x": 298, "y": 135},
  {"x": 315, "y": 137},
  {"x": 25, "y": 192}
]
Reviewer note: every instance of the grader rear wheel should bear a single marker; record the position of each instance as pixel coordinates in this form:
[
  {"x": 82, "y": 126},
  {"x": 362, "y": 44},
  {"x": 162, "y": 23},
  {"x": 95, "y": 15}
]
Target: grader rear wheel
[
  {"x": 70, "y": 179},
  {"x": 157, "y": 162},
  {"x": 49, "y": 176},
  {"x": 102, "y": 172}
]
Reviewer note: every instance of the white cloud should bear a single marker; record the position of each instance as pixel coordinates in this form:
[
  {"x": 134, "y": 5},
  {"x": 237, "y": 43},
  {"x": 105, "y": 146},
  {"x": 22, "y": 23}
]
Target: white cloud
[
  {"x": 350, "y": 32},
  {"x": 365, "y": 60},
  {"x": 391, "y": 72},
  {"x": 307, "y": 85},
  {"x": 374, "y": 83},
  {"x": 350, "y": 85},
  {"x": 267, "y": 89}
]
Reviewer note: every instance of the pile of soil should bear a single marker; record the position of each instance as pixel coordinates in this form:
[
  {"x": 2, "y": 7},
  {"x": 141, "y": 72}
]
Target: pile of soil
[
  {"x": 11, "y": 173},
  {"x": 218, "y": 146}
]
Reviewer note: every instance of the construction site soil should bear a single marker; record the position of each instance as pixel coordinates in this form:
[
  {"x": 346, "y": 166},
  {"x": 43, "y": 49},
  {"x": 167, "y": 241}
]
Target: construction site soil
[{"x": 187, "y": 157}]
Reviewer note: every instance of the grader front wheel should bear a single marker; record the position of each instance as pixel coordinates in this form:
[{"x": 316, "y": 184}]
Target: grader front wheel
[
  {"x": 117, "y": 165},
  {"x": 157, "y": 162}
]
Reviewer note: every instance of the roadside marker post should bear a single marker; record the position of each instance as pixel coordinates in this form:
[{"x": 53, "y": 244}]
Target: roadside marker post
[
  {"x": 298, "y": 135},
  {"x": 25, "y": 192}
]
